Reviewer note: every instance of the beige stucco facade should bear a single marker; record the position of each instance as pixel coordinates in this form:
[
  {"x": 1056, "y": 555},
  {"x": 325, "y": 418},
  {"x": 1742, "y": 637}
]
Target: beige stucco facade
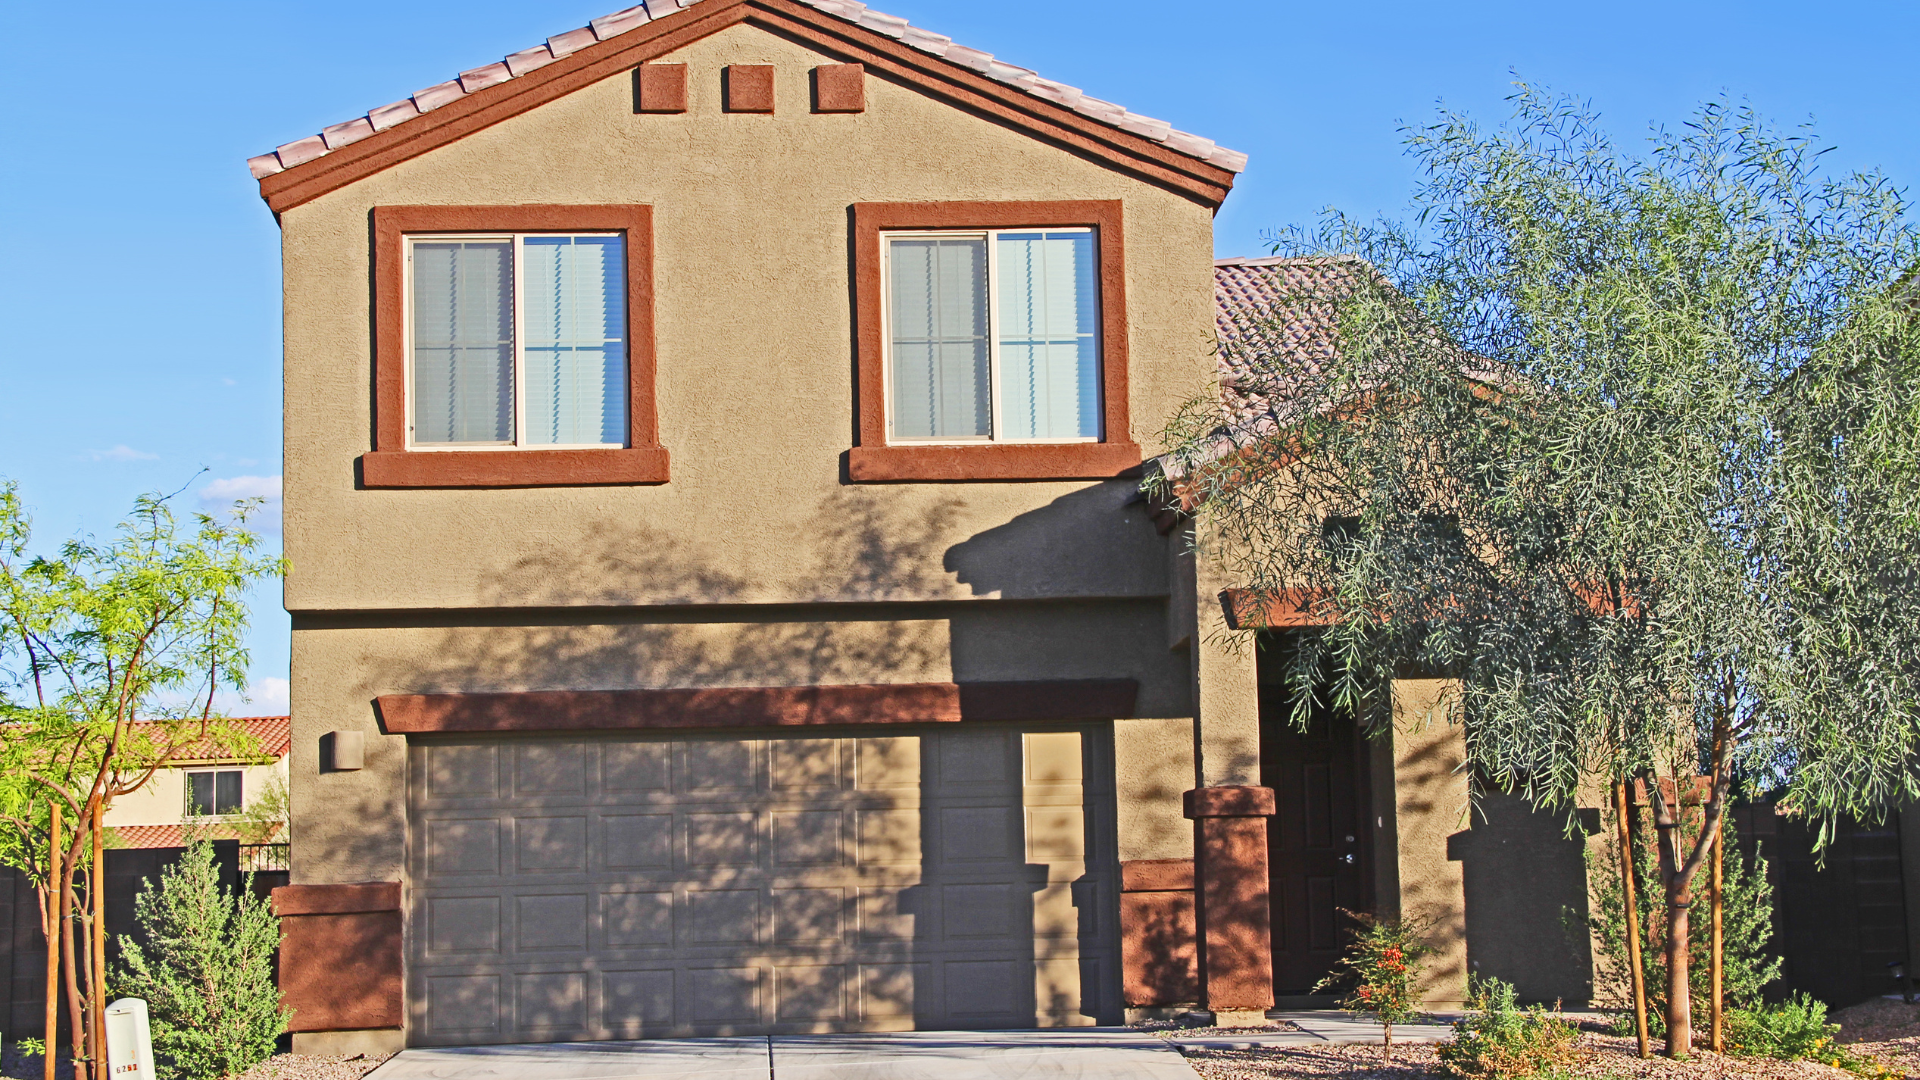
[{"x": 758, "y": 564}]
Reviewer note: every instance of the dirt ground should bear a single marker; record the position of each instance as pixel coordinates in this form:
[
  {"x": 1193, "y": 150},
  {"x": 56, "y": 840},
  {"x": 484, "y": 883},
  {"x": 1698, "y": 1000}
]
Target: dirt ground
[
  {"x": 1888, "y": 1031},
  {"x": 1607, "y": 1057}
]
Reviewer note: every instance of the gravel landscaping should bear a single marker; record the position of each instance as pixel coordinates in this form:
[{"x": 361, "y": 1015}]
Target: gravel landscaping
[
  {"x": 1607, "y": 1056},
  {"x": 309, "y": 1067}
]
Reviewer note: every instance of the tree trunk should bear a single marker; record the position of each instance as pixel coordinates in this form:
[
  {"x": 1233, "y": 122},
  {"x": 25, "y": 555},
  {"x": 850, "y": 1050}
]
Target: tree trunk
[
  {"x": 1679, "y": 1007},
  {"x": 76, "y": 1014}
]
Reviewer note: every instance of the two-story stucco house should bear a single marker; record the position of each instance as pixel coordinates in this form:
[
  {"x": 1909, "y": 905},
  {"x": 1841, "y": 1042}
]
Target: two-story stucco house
[{"x": 721, "y": 597}]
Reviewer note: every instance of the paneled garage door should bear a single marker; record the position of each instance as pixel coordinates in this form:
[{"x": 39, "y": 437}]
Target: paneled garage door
[{"x": 625, "y": 887}]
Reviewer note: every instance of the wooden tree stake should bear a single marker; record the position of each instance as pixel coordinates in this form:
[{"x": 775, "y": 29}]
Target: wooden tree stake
[
  {"x": 53, "y": 936},
  {"x": 1718, "y": 959},
  {"x": 98, "y": 976},
  {"x": 1622, "y": 810}
]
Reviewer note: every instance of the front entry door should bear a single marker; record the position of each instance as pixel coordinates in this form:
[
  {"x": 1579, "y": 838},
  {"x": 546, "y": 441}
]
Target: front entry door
[{"x": 1318, "y": 844}]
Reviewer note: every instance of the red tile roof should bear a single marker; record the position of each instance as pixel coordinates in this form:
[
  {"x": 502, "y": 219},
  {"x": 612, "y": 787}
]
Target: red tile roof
[
  {"x": 272, "y": 734},
  {"x": 422, "y": 102},
  {"x": 1279, "y": 309},
  {"x": 157, "y": 836}
]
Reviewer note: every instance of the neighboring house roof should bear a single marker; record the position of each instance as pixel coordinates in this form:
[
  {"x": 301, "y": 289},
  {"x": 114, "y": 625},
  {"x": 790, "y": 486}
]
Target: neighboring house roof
[
  {"x": 272, "y": 734},
  {"x": 157, "y": 836},
  {"x": 488, "y": 94}
]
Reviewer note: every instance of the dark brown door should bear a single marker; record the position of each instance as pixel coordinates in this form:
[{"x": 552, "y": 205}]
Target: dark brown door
[{"x": 1318, "y": 844}]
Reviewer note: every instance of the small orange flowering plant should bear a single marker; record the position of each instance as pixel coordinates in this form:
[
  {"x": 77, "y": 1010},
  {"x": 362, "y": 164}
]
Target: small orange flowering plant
[{"x": 1380, "y": 970}]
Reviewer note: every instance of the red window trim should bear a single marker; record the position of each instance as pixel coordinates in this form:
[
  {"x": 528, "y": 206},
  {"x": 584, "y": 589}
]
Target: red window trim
[
  {"x": 392, "y": 465},
  {"x": 873, "y": 460}
]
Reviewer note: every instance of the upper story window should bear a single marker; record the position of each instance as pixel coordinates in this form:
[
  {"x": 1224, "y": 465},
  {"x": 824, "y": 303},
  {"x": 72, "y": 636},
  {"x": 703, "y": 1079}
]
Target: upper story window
[
  {"x": 993, "y": 335},
  {"x": 513, "y": 347},
  {"x": 517, "y": 340},
  {"x": 990, "y": 341},
  {"x": 214, "y": 794}
]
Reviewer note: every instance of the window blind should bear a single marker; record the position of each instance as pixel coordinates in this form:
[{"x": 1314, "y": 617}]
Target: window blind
[
  {"x": 938, "y": 322},
  {"x": 573, "y": 322},
  {"x": 463, "y": 341},
  {"x": 1049, "y": 351}
]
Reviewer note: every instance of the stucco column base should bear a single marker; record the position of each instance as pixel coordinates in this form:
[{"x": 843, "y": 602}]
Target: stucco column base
[
  {"x": 372, "y": 1042},
  {"x": 1230, "y": 865}
]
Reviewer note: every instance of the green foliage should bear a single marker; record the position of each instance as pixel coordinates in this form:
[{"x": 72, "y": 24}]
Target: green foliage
[
  {"x": 1501, "y": 1041},
  {"x": 147, "y": 625},
  {"x": 1626, "y": 442},
  {"x": 1381, "y": 970},
  {"x": 206, "y": 972},
  {"x": 1796, "y": 1030},
  {"x": 267, "y": 818},
  {"x": 1747, "y": 926}
]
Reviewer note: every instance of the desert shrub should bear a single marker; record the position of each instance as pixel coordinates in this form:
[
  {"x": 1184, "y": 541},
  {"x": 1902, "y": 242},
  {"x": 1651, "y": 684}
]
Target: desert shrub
[
  {"x": 1747, "y": 926},
  {"x": 1380, "y": 969},
  {"x": 207, "y": 970},
  {"x": 1796, "y": 1030},
  {"x": 1499, "y": 1040}
]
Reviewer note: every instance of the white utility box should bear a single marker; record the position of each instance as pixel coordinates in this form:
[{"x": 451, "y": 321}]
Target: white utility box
[{"x": 129, "y": 1041}]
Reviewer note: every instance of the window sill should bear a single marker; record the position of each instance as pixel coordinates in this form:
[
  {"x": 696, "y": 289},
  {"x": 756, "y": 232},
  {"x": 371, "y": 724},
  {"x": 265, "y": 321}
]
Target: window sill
[
  {"x": 1003, "y": 461},
  {"x": 513, "y": 468}
]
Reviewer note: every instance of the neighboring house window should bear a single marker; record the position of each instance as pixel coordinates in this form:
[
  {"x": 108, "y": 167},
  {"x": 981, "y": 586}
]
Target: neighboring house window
[
  {"x": 993, "y": 336},
  {"x": 991, "y": 341},
  {"x": 517, "y": 340},
  {"x": 213, "y": 794},
  {"x": 513, "y": 347}
]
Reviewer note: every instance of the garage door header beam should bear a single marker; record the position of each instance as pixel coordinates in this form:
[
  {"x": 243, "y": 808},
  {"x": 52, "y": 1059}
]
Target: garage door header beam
[{"x": 755, "y": 707}]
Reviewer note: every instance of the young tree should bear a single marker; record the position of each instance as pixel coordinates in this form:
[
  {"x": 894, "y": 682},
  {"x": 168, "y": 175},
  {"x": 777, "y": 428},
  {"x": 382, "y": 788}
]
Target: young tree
[
  {"x": 146, "y": 626},
  {"x": 1624, "y": 444},
  {"x": 206, "y": 971}
]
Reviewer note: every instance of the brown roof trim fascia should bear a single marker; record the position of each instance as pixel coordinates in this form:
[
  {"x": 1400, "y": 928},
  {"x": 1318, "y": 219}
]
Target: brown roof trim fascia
[
  {"x": 1189, "y": 176},
  {"x": 752, "y": 707},
  {"x": 336, "y": 899},
  {"x": 958, "y": 85},
  {"x": 1253, "y": 609}
]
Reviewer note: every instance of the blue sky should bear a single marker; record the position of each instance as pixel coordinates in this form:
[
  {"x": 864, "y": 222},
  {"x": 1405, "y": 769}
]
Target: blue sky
[{"x": 141, "y": 290}]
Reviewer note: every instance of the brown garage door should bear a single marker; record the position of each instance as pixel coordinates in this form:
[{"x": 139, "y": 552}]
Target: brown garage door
[{"x": 627, "y": 887}]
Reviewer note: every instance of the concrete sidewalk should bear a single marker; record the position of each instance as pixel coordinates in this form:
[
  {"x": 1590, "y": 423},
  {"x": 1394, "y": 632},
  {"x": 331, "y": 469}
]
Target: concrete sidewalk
[
  {"x": 1056, "y": 1054},
  {"x": 1051, "y": 1054}
]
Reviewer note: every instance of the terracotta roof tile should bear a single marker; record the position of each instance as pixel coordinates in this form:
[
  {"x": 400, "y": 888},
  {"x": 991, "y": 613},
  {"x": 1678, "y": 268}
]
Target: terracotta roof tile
[
  {"x": 482, "y": 77},
  {"x": 1264, "y": 309},
  {"x": 530, "y": 60},
  {"x": 352, "y": 131},
  {"x": 273, "y": 734},
  {"x": 619, "y": 22},
  {"x": 159, "y": 836}
]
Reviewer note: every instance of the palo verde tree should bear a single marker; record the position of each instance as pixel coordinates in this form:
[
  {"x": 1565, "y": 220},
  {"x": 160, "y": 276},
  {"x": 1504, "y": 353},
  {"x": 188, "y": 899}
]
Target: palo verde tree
[
  {"x": 112, "y": 655},
  {"x": 1624, "y": 444}
]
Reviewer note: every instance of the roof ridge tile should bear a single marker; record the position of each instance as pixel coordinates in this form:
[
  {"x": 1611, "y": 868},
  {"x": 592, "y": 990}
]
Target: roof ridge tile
[{"x": 619, "y": 22}]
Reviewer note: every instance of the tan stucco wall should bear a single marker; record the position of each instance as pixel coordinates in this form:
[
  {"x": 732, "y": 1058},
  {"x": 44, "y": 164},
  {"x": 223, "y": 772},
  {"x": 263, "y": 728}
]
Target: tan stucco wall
[
  {"x": 755, "y": 387},
  {"x": 353, "y": 824},
  {"x": 756, "y": 405},
  {"x": 1431, "y": 804}
]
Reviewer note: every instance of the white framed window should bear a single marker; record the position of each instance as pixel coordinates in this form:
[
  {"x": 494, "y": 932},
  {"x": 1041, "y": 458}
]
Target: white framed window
[
  {"x": 214, "y": 794},
  {"x": 516, "y": 340},
  {"x": 992, "y": 335}
]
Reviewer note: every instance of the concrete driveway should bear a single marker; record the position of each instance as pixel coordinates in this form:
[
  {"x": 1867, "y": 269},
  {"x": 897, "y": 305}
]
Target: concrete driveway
[
  {"x": 925, "y": 1055},
  {"x": 1056, "y": 1054}
]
